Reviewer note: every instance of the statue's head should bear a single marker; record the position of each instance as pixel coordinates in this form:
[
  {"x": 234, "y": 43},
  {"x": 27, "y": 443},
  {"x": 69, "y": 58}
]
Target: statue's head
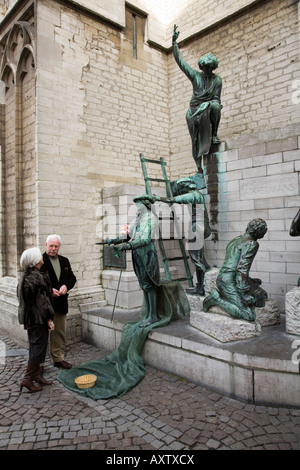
[
  {"x": 144, "y": 199},
  {"x": 185, "y": 184},
  {"x": 257, "y": 228},
  {"x": 208, "y": 62}
]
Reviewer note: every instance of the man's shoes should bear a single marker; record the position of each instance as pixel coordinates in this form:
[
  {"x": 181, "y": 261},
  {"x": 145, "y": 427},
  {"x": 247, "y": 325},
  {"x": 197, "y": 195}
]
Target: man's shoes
[{"x": 63, "y": 365}]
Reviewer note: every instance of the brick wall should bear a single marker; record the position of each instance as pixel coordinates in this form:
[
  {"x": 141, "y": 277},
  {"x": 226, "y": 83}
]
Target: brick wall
[
  {"x": 257, "y": 180},
  {"x": 194, "y": 16},
  {"x": 257, "y": 55},
  {"x": 96, "y": 112},
  {"x": 258, "y": 173}
]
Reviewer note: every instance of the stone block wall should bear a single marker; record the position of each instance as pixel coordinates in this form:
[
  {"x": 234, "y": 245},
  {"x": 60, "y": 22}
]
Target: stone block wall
[
  {"x": 101, "y": 111},
  {"x": 257, "y": 180},
  {"x": 257, "y": 53},
  {"x": 256, "y": 171},
  {"x": 199, "y": 15}
]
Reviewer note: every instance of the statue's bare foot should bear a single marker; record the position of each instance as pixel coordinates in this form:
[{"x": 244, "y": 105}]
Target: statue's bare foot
[{"x": 216, "y": 140}]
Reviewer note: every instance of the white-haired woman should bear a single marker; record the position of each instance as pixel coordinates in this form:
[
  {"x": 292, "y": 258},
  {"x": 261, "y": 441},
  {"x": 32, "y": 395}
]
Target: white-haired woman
[{"x": 36, "y": 314}]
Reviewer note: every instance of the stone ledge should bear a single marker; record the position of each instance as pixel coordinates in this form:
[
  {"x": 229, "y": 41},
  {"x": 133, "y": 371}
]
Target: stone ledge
[{"x": 256, "y": 370}]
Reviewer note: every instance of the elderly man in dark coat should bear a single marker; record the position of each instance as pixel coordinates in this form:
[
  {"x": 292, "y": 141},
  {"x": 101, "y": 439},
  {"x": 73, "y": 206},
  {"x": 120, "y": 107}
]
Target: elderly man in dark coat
[{"x": 63, "y": 280}]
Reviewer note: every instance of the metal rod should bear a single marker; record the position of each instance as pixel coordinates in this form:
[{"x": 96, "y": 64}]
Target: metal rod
[{"x": 112, "y": 315}]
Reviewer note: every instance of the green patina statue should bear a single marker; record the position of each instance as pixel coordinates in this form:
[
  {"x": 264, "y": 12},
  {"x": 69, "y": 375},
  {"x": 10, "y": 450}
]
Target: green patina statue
[
  {"x": 163, "y": 302},
  {"x": 295, "y": 230},
  {"x": 140, "y": 239},
  {"x": 198, "y": 227},
  {"x": 204, "y": 114},
  {"x": 236, "y": 292}
]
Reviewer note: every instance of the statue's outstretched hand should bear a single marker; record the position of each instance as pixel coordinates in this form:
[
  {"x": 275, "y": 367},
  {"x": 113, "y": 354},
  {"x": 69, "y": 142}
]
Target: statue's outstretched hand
[
  {"x": 175, "y": 33},
  {"x": 126, "y": 247}
]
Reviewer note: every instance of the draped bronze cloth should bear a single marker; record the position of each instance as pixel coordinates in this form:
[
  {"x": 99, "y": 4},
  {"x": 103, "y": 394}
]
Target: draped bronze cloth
[{"x": 124, "y": 368}]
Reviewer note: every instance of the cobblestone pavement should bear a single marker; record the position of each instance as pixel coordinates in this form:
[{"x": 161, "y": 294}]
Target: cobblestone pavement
[{"x": 162, "y": 413}]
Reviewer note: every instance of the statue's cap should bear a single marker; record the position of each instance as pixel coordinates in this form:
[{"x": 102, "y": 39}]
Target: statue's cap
[
  {"x": 184, "y": 181},
  {"x": 144, "y": 198}
]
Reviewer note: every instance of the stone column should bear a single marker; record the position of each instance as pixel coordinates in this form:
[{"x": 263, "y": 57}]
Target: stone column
[{"x": 292, "y": 311}]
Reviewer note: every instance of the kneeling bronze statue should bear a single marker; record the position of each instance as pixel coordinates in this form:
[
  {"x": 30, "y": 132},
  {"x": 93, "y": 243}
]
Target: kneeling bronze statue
[{"x": 236, "y": 292}]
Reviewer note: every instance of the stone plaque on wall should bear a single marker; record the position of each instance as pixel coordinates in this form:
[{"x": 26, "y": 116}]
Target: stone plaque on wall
[
  {"x": 110, "y": 260},
  {"x": 269, "y": 186}
]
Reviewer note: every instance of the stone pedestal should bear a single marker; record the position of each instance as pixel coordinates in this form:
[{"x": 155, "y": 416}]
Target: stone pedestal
[
  {"x": 292, "y": 311},
  {"x": 210, "y": 280},
  {"x": 222, "y": 327},
  {"x": 125, "y": 290},
  {"x": 268, "y": 315}
]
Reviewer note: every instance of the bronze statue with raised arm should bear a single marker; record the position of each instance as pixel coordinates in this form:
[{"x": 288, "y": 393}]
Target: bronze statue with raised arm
[{"x": 204, "y": 114}]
